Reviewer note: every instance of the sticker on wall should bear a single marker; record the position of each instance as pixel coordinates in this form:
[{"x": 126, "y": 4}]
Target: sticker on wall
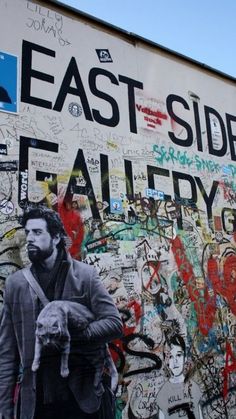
[
  {"x": 8, "y": 82},
  {"x": 116, "y": 206},
  {"x": 151, "y": 113},
  {"x": 75, "y": 109},
  {"x": 3, "y": 149},
  {"x": 154, "y": 193},
  {"x": 6, "y": 207},
  {"x": 104, "y": 55}
]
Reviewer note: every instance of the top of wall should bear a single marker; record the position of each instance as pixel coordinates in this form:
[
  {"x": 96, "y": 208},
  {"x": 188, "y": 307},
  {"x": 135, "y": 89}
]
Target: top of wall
[{"x": 134, "y": 38}]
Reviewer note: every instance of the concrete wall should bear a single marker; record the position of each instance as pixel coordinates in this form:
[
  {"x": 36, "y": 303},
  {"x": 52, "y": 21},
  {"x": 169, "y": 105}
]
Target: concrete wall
[{"x": 135, "y": 147}]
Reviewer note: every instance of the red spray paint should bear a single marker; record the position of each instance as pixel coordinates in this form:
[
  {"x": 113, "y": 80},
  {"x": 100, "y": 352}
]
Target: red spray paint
[
  {"x": 74, "y": 227},
  {"x": 204, "y": 301}
]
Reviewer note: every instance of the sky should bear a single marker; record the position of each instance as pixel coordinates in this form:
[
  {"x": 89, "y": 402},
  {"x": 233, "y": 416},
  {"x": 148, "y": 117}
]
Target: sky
[{"x": 204, "y": 30}]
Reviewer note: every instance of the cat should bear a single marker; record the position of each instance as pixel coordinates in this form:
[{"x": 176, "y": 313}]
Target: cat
[{"x": 52, "y": 329}]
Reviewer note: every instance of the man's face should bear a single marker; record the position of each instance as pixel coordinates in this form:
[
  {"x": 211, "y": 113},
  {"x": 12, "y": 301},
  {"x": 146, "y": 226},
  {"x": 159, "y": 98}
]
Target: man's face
[
  {"x": 40, "y": 244},
  {"x": 175, "y": 360}
]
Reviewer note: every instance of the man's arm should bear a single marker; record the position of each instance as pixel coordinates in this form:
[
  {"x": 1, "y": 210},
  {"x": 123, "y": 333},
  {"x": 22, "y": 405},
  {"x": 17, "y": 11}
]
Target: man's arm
[
  {"x": 108, "y": 324},
  {"x": 9, "y": 359}
]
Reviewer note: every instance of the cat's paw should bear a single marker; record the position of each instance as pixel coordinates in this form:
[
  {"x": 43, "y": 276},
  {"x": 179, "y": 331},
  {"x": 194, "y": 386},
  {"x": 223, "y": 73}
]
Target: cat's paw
[
  {"x": 35, "y": 366},
  {"x": 64, "y": 372}
]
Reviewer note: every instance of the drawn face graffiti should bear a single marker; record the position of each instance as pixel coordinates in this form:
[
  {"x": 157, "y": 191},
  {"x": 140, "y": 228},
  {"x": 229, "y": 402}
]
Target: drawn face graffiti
[
  {"x": 40, "y": 244},
  {"x": 175, "y": 360},
  {"x": 150, "y": 277}
]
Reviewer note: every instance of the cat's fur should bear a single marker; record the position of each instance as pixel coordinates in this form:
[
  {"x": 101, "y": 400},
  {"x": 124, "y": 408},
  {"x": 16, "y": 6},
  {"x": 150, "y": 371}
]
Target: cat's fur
[{"x": 52, "y": 328}]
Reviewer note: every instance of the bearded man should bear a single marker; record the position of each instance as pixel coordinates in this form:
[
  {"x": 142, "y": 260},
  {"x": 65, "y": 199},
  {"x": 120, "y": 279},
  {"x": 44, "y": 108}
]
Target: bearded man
[{"x": 45, "y": 394}]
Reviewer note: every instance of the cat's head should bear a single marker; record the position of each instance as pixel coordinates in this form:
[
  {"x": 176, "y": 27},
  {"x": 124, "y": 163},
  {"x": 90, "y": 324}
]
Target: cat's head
[{"x": 50, "y": 331}]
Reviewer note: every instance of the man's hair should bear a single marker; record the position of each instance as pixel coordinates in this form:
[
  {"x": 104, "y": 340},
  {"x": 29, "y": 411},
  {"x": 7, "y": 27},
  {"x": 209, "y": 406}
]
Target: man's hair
[
  {"x": 176, "y": 340},
  {"x": 52, "y": 218}
]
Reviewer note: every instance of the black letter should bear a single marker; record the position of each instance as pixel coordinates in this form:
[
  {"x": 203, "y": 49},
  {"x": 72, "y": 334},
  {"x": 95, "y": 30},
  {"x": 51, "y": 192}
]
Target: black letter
[
  {"x": 132, "y": 114},
  {"x": 143, "y": 354},
  {"x": 198, "y": 126},
  {"x": 180, "y": 200},
  {"x": 28, "y": 73},
  {"x": 189, "y": 140},
  {"x": 85, "y": 185},
  {"x": 226, "y": 213},
  {"x": 153, "y": 170},
  {"x": 232, "y": 137},
  {"x": 129, "y": 178},
  {"x": 114, "y": 120},
  {"x": 105, "y": 180},
  {"x": 208, "y": 199},
  {"x": 72, "y": 71}
]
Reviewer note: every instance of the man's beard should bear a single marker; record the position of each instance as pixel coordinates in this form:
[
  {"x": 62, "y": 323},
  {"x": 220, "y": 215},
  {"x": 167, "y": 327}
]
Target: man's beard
[{"x": 37, "y": 255}]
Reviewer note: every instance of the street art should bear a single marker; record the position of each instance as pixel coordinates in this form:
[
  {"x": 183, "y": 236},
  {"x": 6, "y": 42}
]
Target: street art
[
  {"x": 8, "y": 84},
  {"x": 142, "y": 170}
]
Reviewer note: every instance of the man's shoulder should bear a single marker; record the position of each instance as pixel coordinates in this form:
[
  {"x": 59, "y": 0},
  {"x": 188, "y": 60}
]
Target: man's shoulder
[
  {"x": 82, "y": 267},
  {"x": 15, "y": 279},
  {"x": 15, "y": 275}
]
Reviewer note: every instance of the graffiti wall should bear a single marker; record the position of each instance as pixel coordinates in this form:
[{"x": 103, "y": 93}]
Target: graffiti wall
[{"x": 135, "y": 148}]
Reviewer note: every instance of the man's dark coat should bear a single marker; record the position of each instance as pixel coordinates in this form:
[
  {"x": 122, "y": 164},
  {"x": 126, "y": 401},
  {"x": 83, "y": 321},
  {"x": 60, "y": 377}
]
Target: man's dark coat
[{"x": 17, "y": 336}]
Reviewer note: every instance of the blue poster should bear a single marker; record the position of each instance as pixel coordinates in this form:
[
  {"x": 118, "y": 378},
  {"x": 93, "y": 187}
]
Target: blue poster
[{"x": 8, "y": 82}]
